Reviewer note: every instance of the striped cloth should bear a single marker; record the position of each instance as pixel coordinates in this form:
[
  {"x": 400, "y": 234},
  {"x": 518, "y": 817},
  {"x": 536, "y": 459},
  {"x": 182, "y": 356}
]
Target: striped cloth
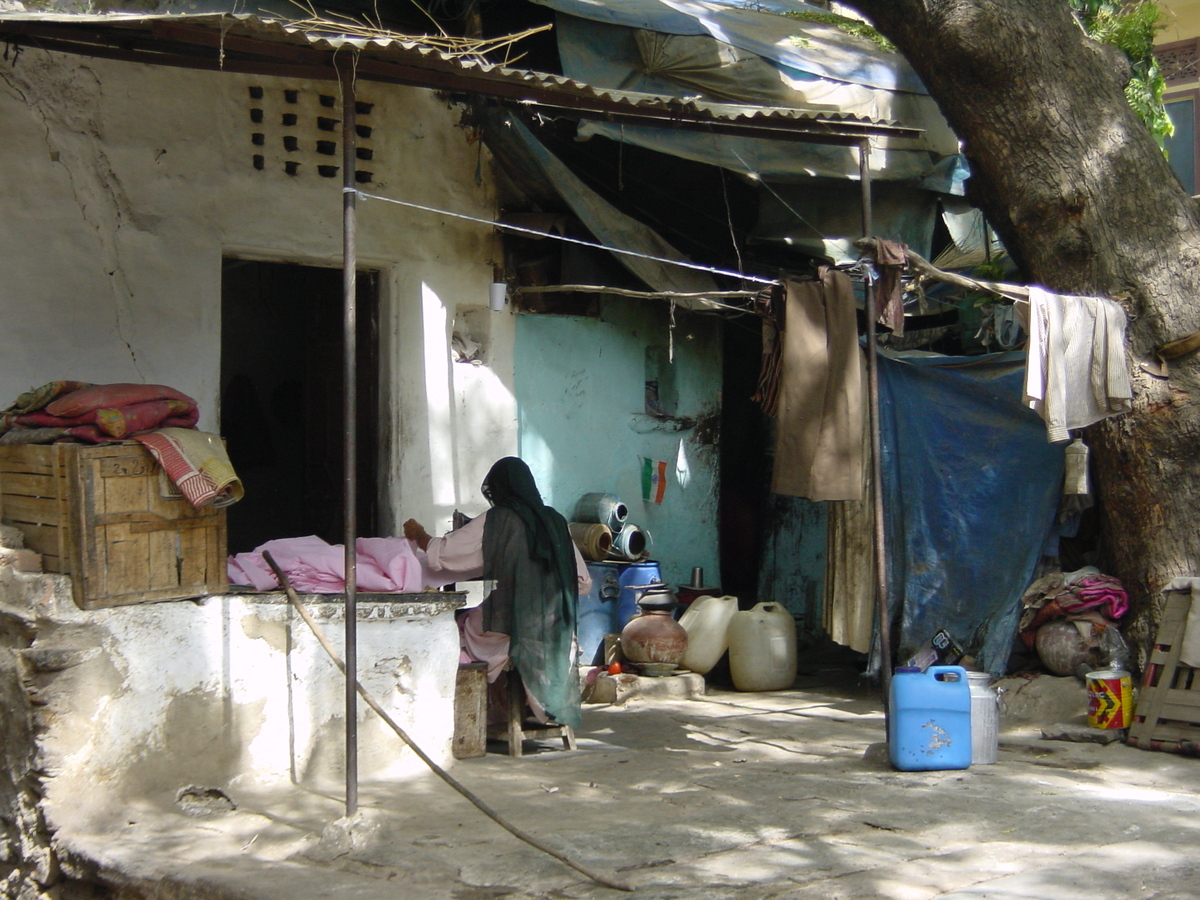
[{"x": 196, "y": 462}]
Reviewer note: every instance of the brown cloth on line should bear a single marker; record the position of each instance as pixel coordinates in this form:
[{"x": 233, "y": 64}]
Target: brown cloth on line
[
  {"x": 890, "y": 257},
  {"x": 819, "y": 424}
]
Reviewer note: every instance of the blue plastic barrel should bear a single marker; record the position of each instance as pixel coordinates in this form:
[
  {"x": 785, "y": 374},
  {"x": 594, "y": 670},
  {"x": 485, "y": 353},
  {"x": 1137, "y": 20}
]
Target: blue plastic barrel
[
  {"x": 929, "y": 720},
  {"x": 634, "y": 575},
  {"x": 597, "y": 614}
]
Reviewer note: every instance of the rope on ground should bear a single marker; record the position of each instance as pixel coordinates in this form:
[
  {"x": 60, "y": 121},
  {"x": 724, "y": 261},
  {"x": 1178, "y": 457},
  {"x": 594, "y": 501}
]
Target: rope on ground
[{"x": 597, "y": 877}]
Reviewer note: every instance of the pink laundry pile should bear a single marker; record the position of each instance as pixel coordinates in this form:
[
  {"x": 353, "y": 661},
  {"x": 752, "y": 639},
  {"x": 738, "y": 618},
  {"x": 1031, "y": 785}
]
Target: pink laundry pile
[{"x": 383, "y": 565}]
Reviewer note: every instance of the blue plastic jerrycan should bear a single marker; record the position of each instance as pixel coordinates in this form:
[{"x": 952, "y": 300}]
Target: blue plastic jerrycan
[{"x": 929, "y": 720}]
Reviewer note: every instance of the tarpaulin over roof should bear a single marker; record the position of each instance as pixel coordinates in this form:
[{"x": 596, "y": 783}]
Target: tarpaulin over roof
[
  {"x": 807, "y": 48},
  {"x": 708, "y": 52}
]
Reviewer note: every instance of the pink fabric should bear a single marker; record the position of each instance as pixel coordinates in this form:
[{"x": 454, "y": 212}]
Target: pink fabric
[{"x": 383, "y": 565}]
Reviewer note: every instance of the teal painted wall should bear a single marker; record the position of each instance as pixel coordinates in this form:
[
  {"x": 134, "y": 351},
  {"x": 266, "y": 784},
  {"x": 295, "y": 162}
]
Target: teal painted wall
[
  {"x": 794, "y": 553},
  {"x": 580, "y": 393}
]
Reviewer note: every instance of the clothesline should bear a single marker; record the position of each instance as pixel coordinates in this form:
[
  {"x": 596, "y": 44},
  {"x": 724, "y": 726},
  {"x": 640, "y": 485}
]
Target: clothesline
[{"x": 521, "y": 229}]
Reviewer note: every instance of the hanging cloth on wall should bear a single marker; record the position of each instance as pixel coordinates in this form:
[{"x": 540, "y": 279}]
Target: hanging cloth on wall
[
  {"x": 1077, "y": 372},
  {"x": 819, "y": 421}
]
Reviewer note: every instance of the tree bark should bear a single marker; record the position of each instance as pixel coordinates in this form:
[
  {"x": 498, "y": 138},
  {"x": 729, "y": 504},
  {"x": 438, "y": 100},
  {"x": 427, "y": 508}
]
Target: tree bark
[{"x": 1085, "y": 203}]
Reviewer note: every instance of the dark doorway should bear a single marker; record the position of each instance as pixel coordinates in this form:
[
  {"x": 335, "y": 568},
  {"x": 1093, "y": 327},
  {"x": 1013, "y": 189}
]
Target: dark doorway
[{"x": 281, "y": 400}]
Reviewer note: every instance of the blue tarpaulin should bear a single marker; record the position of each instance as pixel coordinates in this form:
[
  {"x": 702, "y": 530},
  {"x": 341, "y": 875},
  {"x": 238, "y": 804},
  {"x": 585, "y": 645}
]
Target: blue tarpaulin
[{"x": 971, "y": 488}]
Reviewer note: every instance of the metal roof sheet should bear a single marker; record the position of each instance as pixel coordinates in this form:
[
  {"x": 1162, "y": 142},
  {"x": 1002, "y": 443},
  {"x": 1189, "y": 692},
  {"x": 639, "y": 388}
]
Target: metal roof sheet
[{"x": 251, "y": 44}]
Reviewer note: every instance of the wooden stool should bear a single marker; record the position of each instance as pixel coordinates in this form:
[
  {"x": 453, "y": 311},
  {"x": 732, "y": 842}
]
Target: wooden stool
[{"x": 516, "y": 729}]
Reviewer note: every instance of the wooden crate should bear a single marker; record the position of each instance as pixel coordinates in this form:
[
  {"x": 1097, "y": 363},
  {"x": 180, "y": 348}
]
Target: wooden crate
[
  {"x": 107, "y": 516},
  {"x": 1167, "y": 716}
]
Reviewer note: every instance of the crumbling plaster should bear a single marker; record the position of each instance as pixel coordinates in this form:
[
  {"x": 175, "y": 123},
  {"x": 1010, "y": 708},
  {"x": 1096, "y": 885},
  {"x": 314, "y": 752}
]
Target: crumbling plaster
[{"x": 127, "y": 184}]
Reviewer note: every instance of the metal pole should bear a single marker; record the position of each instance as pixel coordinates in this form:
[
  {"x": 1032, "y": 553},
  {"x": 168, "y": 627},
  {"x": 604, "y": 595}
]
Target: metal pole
[
  {"x": 350, "y": 414},
  {"x": 883, "y": 618}
]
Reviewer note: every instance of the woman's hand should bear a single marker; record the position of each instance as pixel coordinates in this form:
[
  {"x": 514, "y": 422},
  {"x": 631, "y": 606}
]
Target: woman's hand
[{"x": 415, "y": 532}]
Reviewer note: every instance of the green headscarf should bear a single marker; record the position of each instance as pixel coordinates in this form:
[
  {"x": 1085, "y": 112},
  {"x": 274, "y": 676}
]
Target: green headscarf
[{"x": 536, "y": 598}]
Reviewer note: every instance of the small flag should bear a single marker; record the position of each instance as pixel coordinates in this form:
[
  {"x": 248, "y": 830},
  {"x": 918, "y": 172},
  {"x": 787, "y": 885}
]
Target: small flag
[{"x": 654, "y": 480}]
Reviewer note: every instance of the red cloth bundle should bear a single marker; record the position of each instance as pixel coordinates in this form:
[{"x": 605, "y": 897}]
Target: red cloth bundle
[{"x": 106, "y": 412}]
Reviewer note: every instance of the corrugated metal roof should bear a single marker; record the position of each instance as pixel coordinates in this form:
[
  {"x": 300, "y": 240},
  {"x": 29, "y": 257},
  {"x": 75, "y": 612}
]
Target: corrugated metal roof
[{"x": 250, "y": 44}]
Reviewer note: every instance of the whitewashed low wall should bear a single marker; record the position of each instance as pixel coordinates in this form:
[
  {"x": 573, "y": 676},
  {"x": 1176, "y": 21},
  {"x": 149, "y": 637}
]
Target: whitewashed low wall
[{"x": 230, "y": 692}]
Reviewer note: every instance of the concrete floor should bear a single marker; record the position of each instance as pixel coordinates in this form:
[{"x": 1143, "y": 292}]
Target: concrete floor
[{"x": 784, "y": 795}]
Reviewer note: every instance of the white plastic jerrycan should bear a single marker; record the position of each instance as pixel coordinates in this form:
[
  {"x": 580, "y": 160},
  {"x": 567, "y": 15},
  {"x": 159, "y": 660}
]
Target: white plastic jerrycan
[
  {"x": 706, "y": 622},
  {"x": 762, "y": 648}
]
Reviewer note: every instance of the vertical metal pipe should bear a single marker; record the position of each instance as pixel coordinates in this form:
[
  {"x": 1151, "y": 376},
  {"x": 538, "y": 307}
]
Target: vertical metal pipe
[
  {"x": 350, "y": 414},
  {"x": 883, "y": 617}
]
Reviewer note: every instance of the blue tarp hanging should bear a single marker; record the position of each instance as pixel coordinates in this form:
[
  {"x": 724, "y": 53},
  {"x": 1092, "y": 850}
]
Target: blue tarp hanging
[{"x": 971, "y": 487}]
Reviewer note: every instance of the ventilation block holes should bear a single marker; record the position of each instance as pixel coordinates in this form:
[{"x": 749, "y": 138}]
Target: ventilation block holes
[{"x": 299, "y": 131}]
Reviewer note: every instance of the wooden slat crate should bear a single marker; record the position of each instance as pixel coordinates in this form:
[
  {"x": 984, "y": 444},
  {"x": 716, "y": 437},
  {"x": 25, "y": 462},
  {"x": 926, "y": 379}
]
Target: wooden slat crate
[
  {"x": 107, "y": 516},
  {"x": 1167, "y": 716}
]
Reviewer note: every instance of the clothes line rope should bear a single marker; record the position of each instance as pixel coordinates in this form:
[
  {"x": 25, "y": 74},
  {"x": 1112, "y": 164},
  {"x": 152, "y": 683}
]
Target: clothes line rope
[{"x": 558, "y": 237}]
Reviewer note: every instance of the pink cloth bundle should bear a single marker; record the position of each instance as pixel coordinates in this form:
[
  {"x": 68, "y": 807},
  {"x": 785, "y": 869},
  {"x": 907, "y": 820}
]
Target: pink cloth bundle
[{"x": 383, "y": 565}]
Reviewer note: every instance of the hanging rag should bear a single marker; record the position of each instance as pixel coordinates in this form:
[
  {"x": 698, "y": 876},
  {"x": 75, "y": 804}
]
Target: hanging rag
[
  {"x": 1076, "y": 371},
  {"x": 197, "y": 464},
  {"x": 890, "y": 259},
  {"x": 819, "y": 421}
]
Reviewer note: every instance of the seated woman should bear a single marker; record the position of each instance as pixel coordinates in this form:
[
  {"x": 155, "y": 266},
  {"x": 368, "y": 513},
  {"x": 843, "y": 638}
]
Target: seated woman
[{"x": 530, "y": 616}]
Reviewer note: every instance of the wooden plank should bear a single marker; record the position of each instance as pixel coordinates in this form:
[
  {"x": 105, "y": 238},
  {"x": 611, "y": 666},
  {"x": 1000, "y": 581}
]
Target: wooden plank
[
  {"x": 25, "y": 484},
  {"x": 1168, "y": 708},
  {"x": 33, "y": 510}
]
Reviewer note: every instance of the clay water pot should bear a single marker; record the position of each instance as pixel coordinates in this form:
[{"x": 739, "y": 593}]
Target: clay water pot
[{"x": 654, "y": 636}]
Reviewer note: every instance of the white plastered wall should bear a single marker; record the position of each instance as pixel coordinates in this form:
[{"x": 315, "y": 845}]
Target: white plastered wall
[{"x": 126, "y": 184}]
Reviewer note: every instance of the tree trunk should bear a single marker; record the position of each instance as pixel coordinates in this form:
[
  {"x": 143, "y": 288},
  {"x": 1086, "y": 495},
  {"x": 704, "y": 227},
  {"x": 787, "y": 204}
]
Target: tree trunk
[{"x": 1085, "y": 203}]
